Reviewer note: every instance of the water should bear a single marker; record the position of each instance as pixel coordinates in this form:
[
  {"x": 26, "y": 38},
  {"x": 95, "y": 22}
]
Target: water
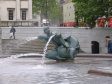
[
  {"x": 45, "y": 49},
  {"x": 13, "y": 57},
  {"x": 41, "y": 66},
  {"x": 29, "y": 71},
  {"x": 35, "y": 54}
]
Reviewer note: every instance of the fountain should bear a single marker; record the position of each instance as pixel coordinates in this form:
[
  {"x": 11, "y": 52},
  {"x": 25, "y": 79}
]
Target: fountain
[
  {"x": 31, "y": 71},
  {"x": 65, "y": 48},
  {"x": 45, "y": 49}
]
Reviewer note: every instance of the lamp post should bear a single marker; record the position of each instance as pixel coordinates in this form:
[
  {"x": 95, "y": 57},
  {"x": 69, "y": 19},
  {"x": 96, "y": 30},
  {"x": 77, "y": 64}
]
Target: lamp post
[
  {"x": 46, "y": 14},
  {"x": 76, "y": 15},
  {"x": 46, "y": 9}
]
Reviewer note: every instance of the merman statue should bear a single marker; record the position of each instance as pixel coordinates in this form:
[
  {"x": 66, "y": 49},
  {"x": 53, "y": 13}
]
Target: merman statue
[{"x": 65, "y": 48}]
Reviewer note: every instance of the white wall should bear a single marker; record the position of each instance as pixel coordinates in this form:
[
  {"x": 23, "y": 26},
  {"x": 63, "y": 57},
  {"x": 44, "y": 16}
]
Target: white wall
[
  {"x": 11, "y": 4},
  {"x": 85, "y": 36},
  {"x": 0, "y": 41},
  {"x": 3, "y": 6}
]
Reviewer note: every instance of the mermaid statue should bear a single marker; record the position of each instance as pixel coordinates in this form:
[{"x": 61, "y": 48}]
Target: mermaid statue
[{"x": 64, "y": 48}]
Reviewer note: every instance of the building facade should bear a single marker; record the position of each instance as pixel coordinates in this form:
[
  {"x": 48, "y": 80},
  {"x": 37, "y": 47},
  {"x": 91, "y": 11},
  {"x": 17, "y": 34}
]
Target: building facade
[
  {"x": 68, "y": 13},
  {"x": 13, "y": 12},
  {"x": 68, "y": 1}
]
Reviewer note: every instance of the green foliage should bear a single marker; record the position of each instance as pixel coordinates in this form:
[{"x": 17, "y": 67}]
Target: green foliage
[
  {"x": 90, "y": 10},
  {"x": 48, "y": 8}
]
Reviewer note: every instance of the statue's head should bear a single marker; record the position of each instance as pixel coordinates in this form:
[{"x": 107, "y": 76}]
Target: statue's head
[
  {"x": 68, "y": 38},
  {"x": 46, "y": 30}
]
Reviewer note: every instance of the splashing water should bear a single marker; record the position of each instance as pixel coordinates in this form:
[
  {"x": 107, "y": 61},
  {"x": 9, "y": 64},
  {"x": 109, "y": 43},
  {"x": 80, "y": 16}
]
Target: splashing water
[
  {"x": 13, "y": 57},
  {"x": 28, "y": 54},
  {"x": 45, "y": 49}
]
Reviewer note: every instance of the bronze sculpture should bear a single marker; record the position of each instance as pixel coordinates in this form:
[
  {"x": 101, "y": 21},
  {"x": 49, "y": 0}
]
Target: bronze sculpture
[{"x": 65, "y": 48}]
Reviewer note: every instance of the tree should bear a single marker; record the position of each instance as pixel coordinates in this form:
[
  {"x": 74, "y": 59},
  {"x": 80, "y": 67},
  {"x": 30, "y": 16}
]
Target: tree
[
  {"x": 91, "y": 10},
  {"x": 49, "y": 9}
]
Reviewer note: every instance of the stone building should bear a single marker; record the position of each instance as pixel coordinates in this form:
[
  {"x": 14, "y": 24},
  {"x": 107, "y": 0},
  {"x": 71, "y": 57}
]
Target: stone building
[
  {"x": 68, "y": 1},
  {"x": 15, "y": 12},
  {"x": 68, "y": 12}
]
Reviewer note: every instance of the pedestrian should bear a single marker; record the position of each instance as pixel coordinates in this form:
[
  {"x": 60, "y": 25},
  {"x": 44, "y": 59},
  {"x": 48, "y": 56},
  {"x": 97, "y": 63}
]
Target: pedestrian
[
  {"x": 109, "y": 41},
  {"x": 106, "y": 24},
  {"x": 12, "y": 33}
]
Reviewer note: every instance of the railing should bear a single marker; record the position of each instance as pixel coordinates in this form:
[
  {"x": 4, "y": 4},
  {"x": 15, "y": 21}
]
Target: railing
[{"x": 18, "y": 23}]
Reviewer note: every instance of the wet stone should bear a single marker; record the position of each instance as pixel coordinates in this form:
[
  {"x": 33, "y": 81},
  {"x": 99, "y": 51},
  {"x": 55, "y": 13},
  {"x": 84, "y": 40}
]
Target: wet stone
[{"x": 31, "y": 71}]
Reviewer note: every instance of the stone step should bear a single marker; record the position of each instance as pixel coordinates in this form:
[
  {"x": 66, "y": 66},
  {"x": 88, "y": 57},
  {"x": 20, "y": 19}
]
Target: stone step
[
  {"x": 23, "y": 50},
  {"x": 31, "y": 47},
  {"x": 34, "y": 47},
  {"x": 35, "y": 41},
  {"x": 34, "y": 44},
  {"x": 17, "y": 47}
]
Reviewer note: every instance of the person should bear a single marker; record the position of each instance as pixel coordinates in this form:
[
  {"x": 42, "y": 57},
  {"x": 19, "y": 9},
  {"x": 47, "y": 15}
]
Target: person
[
  {"x": 106, "y": 24},
  {"x": 109, "y": 44},
  {"x": 12, "y": 32}
]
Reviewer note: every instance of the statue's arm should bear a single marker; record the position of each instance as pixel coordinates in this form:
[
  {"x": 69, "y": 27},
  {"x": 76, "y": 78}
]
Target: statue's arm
[
  {"x": 64, "y": 43},
  {"x": 44, "y": 38}
]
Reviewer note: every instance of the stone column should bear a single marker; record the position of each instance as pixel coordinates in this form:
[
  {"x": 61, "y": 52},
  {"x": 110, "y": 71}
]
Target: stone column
[
  {"x": 0, "y": 15},
  {"x": 0, "y": 41},
  {"x": 30, "y": 10},
  {"x": 18, "y": 9}
]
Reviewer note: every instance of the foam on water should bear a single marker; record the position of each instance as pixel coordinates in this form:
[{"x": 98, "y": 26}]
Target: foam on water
[
  {"x": 39, "y": 67},
  {"x": 28, "y": 54}
]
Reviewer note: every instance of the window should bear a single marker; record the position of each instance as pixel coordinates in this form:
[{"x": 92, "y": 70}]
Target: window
[
  {"x": 10, "y": 14},
  {"x": 24, "y": 15}
]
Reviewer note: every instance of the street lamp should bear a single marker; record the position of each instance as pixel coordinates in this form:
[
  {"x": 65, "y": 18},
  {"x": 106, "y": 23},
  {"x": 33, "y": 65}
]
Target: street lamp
[
  {"x": 46, "y": 14},
  {"x": 76, "y": 15},
  {"x": 46, "y": 9}
]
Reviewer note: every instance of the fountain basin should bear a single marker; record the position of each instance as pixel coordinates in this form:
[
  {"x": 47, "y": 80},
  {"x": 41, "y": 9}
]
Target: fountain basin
[{"x": 30, "y": 71}]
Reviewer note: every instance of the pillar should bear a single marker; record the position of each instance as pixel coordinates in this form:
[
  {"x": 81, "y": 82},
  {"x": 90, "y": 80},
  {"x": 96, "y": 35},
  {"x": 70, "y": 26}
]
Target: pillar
[
  {"x": 0, "y": 41},
  {"x": 17, "y": 9},
  {"x": 30, "y": 10}
]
